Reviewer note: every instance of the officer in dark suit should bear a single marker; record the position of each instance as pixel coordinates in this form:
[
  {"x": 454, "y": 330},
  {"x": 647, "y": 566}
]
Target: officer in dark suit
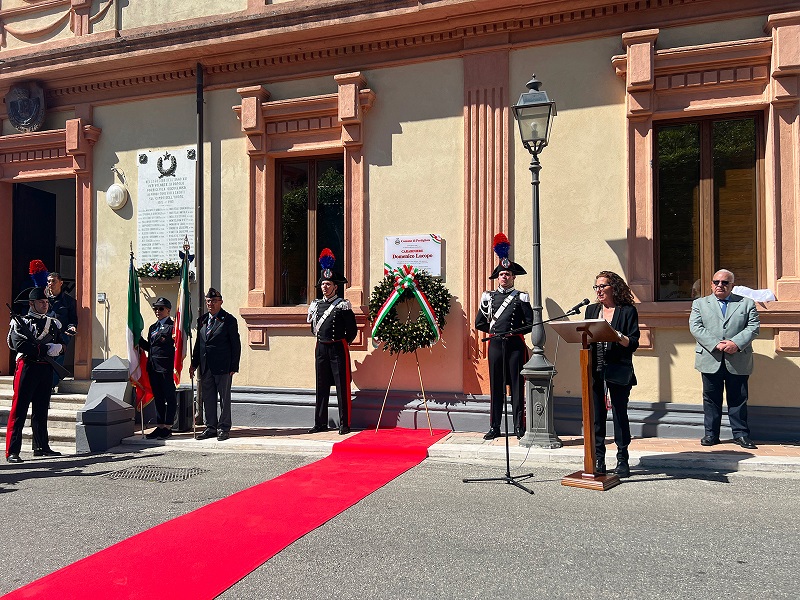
[
  {"x": 334, "y": 325},
  {"x": 33, "y": 375},
  {"x": 502, "y": 310},
  {"x": 216, "y": 352},
  {"x": 63, "y": 308},
  {"x": 160, "y": 347}
]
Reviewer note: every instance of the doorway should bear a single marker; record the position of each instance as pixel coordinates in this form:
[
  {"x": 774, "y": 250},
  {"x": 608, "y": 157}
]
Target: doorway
[{"x": 43, "y": 228}]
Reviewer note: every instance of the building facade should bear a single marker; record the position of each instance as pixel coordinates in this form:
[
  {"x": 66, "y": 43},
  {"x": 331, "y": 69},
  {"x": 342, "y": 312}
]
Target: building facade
[{"x": 673, "y": 154}]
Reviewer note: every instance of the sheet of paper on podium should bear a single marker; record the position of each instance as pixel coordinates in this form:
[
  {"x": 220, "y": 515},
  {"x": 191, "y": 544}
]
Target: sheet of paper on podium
[{"x": 596, "y": 330}]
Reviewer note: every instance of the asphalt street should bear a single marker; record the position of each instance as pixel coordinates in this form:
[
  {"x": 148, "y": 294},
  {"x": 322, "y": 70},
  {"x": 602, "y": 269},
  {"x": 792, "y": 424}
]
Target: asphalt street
[{"x": 428, "y": 535}]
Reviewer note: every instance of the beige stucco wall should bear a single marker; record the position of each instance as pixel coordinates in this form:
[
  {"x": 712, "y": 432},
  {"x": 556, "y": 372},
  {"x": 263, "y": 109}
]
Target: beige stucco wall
[
  {"x": 583, "y": 185},
  {"x": 421, "y": 190},
  {"x": 168, "y": 123},
  {"x": 584, "y": 214},
  {"x": 413, "y": 148},
  {"x": 156, "y": 12},
  {"x": 414, "y": 152}
]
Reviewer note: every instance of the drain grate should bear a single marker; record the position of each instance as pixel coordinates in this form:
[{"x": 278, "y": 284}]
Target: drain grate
[{"x": 158, "y": 474}]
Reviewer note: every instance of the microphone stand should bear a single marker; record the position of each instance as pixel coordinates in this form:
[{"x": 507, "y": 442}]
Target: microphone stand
[{"x": 508, "y": 478}]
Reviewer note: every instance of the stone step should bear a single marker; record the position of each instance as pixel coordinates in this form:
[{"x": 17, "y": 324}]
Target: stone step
[
  {"x": 62, "y": 440},
  {"x": 75, "y": 401},
  {"x": 65, "y": 386},
  {"x": 61, "y": 417}
]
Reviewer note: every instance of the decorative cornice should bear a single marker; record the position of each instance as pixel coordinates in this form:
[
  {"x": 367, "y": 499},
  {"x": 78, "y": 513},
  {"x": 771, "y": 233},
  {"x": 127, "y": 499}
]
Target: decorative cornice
[{"x": 269, "y": 45}]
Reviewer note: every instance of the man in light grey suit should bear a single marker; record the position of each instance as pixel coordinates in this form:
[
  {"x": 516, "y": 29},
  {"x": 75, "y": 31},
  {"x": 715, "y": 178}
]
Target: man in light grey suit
[{"x": 724, "y": 325}]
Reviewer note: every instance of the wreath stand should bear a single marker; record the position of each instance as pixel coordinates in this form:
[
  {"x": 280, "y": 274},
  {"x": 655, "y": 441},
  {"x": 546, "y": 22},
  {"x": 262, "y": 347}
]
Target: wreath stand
[
  {"x": 422, "y": 387},
  {"x": 383, "y": 310}
]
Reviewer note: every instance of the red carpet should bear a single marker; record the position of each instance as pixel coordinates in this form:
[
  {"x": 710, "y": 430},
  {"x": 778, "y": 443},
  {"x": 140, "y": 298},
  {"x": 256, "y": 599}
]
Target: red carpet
[{"x": 208, "y": 550}]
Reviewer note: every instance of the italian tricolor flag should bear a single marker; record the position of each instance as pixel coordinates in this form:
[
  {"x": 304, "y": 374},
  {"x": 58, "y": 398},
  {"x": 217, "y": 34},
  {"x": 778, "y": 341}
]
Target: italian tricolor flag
[
  {"x": 182, "y": 331},
  {"x": 137, "y": 360}
]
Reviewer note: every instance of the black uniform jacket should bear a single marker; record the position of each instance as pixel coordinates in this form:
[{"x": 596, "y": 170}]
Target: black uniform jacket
[
  {"x": 160, "y": 346},
  {"x": 518, "y": 313},
  {"x": 31, "y": 348},
  {"x": 63, "y": 308},
  {"x": 220, "y": 350},
  {"x": 626, "y": 321},
  {"x": 339, "y": 325}
]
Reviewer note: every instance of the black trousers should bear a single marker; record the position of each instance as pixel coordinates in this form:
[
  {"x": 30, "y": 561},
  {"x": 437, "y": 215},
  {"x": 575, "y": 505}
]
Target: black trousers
[
  {"x": 216, "y": 389},
  {"x": 619, "y": 396},
  {"x": 32, "y": 386},
  {"x": 332, "y": 365},
  {"x": 163, "y": 386},
  {"x": 516, "y": 355},
  {"x": 735, "y": 387}
]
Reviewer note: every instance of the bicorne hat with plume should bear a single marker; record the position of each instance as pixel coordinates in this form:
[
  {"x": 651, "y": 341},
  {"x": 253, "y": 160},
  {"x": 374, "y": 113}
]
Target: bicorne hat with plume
[
  {"x": 326, "y": 262},
  {"x": 501, "y": 246},
  {"x": 39, "y": 274}
]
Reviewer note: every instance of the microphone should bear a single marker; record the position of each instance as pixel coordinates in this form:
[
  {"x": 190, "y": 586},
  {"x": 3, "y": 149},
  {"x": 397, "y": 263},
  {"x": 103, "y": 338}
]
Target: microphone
[{"x": 577, "y": 308}]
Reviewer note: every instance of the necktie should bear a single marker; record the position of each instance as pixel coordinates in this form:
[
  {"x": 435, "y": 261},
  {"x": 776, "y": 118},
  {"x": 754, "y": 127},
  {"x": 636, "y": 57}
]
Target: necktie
[
  {"x": 209, "y": 325},
  {"x": 724, "y": 306}
]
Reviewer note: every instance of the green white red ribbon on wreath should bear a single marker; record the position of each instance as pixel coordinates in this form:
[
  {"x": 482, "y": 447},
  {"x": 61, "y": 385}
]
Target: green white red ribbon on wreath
[{"x": 405, "y": 278}]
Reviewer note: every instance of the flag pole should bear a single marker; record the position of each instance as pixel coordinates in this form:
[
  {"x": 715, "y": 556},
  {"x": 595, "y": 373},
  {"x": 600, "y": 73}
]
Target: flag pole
[{"x": 191, "y": 379}]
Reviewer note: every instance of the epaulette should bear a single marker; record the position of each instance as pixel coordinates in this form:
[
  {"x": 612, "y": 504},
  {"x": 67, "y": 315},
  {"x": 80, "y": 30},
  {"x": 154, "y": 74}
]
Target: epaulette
[
  {"x": 344, "y": 305},
  {"x": 524, "y": 297}
]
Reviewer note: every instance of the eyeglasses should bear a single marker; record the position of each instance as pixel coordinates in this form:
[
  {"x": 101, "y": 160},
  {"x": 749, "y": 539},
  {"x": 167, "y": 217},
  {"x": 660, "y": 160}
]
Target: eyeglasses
[
  {"x": 159, "y": 308},
  {"x": 213, "y": 300},
  {"x": 720, "y": 282},
  {"x": 600, "y": 286}
]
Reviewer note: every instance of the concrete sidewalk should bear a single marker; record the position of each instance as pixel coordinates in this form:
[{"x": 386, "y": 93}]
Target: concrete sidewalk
[{"x": 470, "y": 448}]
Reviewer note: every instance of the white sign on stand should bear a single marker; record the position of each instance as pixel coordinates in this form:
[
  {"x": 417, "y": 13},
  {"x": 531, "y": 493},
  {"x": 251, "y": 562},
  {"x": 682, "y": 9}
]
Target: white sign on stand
[
  {"x": 165, "y": 203},
  {"x": 423, "y": 251}
]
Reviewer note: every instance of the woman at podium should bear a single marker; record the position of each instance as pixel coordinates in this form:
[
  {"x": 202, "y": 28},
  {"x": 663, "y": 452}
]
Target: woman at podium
[{"x": 613, "y": 376}]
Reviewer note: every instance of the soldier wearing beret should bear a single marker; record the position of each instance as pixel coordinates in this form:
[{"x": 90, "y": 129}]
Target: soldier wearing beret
[
  {"x": 217, "y": 351},
  {"x": 334, "y": 325},
  {"x": 160, "y": 347},
  {"x": 502, "y": 310}
]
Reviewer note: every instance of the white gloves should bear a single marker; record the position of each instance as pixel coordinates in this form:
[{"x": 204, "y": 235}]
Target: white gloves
[{"x": 54, "y": 349}]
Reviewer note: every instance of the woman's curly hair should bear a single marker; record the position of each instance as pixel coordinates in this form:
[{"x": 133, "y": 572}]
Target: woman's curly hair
[{"x": 622, "y": 293}]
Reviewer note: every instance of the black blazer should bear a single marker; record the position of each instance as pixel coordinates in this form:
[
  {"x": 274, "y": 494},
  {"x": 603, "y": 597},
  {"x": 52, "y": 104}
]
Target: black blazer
[
  {"x": 160, "y": 347},
  {"x": 218, "y": 351},
  {"x": 626, "y": 321}
]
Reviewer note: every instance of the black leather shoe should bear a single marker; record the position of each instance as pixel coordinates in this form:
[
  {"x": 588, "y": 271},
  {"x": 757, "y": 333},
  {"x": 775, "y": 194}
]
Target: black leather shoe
[
  {"x": 709, "y": 440},
  {"x": 600, "y": 466},
  {"x": 494, "y": 432},
  {"x": 344, "y": 430},
  {"x": 519, "y": 433},
  {"x": 745, "y": 442},
  {"x": 46, "y": 452},
  {"x": 223, "y": 435},
  {"x": 623, "y": 469},
  {"x": 208, "y": 433},
  {"x": 164, "y": 433},
  {"x": 318, "y": 429},
  {"x": 14, "y": 458},
  {"x": 153, "y": 435}
]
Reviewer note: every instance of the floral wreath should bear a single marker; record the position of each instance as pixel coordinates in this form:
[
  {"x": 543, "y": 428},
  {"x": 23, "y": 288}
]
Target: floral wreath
[
  {"x": 160, "y": 270},
  {"x": 399, "y": 285}
]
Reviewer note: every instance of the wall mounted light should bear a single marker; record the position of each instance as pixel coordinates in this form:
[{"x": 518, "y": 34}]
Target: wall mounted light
[{"x": 117, "y": 194}]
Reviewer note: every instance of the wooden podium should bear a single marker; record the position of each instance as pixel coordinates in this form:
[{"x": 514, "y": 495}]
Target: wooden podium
[{"x": 585, "y": 332}]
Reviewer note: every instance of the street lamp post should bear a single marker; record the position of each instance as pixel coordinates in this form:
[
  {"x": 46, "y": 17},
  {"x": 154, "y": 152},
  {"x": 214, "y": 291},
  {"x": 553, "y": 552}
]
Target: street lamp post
[{"x": 534, "y": 113}]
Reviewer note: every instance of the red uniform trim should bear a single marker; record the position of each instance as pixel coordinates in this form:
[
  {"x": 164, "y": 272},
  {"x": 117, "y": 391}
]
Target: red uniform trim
[
  {"x": 12, "y": 414},
  {"x": 349, "y": 398}
]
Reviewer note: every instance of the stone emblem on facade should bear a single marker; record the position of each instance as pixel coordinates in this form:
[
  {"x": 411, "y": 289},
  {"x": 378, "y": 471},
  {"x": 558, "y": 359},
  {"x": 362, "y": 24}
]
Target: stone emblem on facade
[
  {"x": 538, "y": 408},
  {"x": 25, "y": 105},
  {"x": 167, "y": 170}
]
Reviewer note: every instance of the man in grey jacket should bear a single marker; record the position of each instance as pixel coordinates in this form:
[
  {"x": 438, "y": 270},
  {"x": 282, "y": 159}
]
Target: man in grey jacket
[{"x": 724, "y": 325}]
